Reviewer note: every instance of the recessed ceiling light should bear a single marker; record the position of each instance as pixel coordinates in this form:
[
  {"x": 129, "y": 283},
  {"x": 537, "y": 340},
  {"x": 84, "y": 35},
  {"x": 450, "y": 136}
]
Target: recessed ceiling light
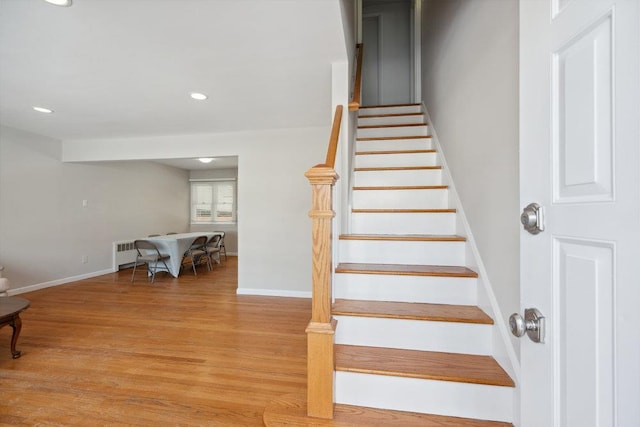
[
  {"x": 43, "y": 110},
  {"x": 206, "y": 159},
  {"x": 198, "y": 96},
  {"x": 59, "y": 2}
]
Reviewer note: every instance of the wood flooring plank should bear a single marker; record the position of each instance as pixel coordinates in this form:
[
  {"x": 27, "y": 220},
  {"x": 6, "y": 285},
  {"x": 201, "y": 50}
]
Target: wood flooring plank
[
  {"x": 406, "y": 270},
  {"x": 422, "y": 364},
  {"x": 411, "y": 311},
  {"x": 186, "y": 351}
]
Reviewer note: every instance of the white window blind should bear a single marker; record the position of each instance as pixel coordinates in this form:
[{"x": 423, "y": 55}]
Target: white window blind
[{"x": 213, "y": 201}]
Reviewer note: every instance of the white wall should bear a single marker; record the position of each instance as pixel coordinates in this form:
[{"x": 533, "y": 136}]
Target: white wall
[
  {"x": 470, "y": 88},
  {"x": 230, "y": 230},
  {"x": 348, "y": 13},
  {"x": 44, "y": 229},
  {"x": 274, "y": 197}
]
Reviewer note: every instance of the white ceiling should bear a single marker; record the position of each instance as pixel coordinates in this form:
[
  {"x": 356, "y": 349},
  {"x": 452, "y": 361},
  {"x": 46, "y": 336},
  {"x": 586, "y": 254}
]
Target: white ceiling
[
  {"x": 229, "y": 162},
  {"x": 125, "y": 68}
]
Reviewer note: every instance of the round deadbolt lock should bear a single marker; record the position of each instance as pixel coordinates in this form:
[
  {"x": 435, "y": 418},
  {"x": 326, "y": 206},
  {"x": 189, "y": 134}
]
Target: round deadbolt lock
[
  {"x": 528, "y": 218},
  {"x": 531, "y": 218}
]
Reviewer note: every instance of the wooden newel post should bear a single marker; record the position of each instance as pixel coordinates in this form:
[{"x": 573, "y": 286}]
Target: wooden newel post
[{"x": 321, "y": 329}]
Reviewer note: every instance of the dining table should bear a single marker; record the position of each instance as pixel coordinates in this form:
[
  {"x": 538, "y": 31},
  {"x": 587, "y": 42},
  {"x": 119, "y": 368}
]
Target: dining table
[{"x": 175, "y": 245}]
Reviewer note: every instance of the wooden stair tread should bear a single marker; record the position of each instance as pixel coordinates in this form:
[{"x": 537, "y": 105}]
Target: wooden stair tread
[
  {"x": 411, "y": 311},
  {"x": 403, "y": 210},
  {"x": 405, "y": 237},
  {"x": 381, "y": 138},
  {"x": 389, "y": 105},
  {"x": 406, "y": 270},
  {"x": 368, "y": 153},
  {"x": 394, "y": 125},
  {"x": 433, "y": 365},
  {"x": 291, "y": 410},
  {"x": 404, "y": 187},
  {"x": 396, "y": 168},
  {"x": 370, "y": 116}
]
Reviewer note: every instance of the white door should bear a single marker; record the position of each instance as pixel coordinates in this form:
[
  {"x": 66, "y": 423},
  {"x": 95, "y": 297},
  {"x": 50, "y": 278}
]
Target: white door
[{"x": 580, "y": 157}]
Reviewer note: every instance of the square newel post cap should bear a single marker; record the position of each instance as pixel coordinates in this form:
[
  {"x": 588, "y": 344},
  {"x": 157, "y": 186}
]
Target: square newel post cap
[{"x": 322, "y": 174}]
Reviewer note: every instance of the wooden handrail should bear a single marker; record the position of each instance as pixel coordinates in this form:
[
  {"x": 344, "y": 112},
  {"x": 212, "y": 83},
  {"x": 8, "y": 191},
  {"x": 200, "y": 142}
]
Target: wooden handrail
[
  {"x": 333, "y": 139},
  {"x": 321, "y": 328},
  {"x": 354, "y": 105}
]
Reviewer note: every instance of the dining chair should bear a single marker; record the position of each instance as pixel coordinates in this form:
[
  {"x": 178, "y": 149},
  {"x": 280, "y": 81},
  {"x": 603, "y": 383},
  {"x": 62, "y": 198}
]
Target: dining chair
[
  {"x": 197, "y": 250},
  {"x": 148, "y": 253},
  {"x": 222, "y": 247},
  {"x": 213, "y": 248}
]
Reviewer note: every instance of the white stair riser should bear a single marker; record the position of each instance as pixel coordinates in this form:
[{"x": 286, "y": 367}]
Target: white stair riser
[
  {"x": 423, "y": 335},
  {"x": 392, "y": 131},
  {"x": 427, "y": 289},
  {"x": 399, "y": 159},
  {"x": 402, "y": 252},
  {"x": 390, "y": 120},
  {"x": 400, "y": 199},
  {"x": 395, "y": 144},
  {"x": 403, "y": 223},
  {"x": 398, "y": 177},
  {"x": 405, "y": 109},
  {"x": 427, "y": 396}
]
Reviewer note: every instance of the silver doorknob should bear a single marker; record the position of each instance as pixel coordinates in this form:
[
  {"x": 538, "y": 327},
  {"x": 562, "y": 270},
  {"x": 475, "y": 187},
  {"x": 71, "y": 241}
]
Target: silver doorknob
[
  {"x": 533, "y": 324},
  {"x": 531, "y": 218}
]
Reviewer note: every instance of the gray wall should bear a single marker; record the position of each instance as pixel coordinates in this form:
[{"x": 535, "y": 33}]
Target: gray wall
[
  {"x": 45, "y": 230},
  {"x": 470, "y": 88},
  {"x": 230, "y": 230}
]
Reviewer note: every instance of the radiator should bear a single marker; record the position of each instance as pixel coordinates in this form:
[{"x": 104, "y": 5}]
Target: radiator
[{"x": 124, "y": 254}]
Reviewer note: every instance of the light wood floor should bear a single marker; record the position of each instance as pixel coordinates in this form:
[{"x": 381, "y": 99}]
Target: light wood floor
[{"x": 185, "y": 351}]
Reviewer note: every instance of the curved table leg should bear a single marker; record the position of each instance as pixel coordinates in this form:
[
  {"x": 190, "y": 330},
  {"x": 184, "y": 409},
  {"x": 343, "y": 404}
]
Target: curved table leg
[{"x": 16, "y": 324}]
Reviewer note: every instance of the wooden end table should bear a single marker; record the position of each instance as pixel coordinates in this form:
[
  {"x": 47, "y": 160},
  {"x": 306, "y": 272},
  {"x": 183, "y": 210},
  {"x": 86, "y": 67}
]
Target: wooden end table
[{"x": 10, "y": 309}]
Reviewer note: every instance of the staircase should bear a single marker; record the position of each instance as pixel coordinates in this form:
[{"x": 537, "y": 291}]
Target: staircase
[
  {"x": 411, "y": 346},
  {"x": 409, "y": 335}
]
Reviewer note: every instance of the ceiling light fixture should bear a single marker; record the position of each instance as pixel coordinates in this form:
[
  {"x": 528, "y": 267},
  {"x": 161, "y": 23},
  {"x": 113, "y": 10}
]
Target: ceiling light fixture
[
  {"x": 198, "y": 96},
  {"x": 43, "y": 110},
  {"x": 64, "y": 3},
  {"x": 206, "y": 159}
]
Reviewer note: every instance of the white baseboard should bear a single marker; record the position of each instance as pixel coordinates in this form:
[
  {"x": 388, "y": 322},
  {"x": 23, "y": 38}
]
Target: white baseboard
[
  {"x": 274, "y": 293},
  {"x": 57, "y": 282}
]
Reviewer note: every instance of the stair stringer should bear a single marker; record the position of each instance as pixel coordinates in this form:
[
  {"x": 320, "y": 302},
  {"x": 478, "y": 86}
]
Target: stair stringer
[
  {"x": 340, "y": 80},
  {"x": 503, "y": 350}
]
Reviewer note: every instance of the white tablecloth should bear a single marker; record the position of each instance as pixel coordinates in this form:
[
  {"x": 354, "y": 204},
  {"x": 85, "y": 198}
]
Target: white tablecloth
[{"x": 175, "y": 245}]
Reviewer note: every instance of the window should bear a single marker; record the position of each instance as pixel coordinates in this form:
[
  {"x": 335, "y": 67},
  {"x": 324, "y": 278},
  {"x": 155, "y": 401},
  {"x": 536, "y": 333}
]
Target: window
[{"x": 213, "y": 202}]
